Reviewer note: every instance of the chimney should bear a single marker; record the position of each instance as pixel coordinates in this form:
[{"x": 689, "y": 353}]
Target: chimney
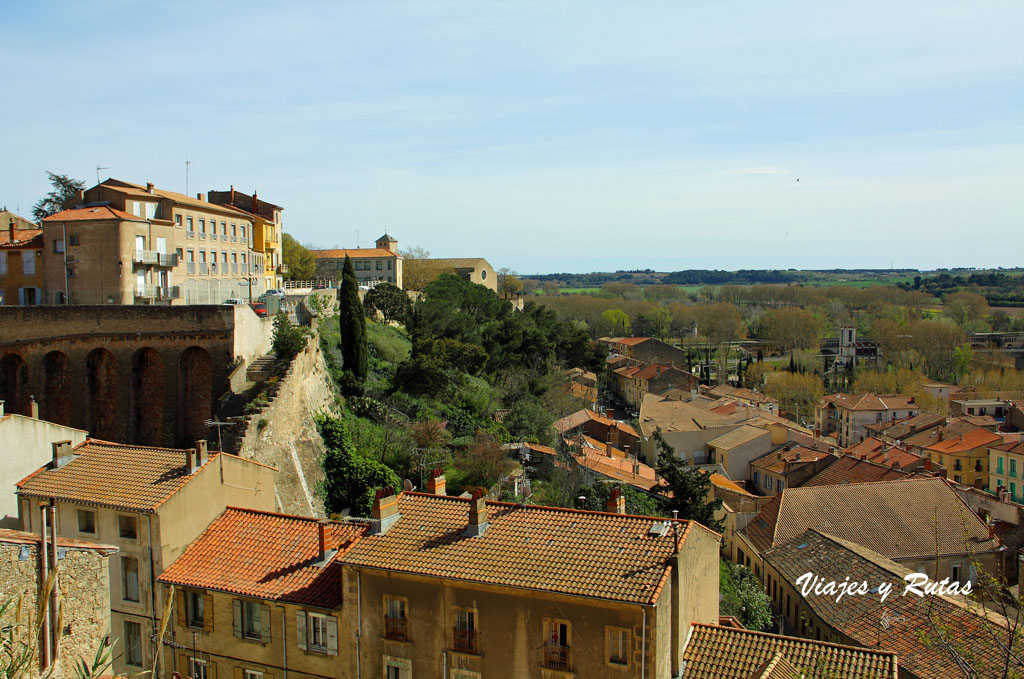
[
  {"x": 608, "y": 448},
  {"x": 636, "y": 467},
  {"x": 610, "y": 414},
  {"x": 149, "y": 187},
  {"x": 991, "y": 531},
  {"x": 323, "y": 555},
  {"x": 200, "y": 452},
  {"x": 232, "y": 194},
  {"x": 201, "y": 196},
  {"x": 385, "y": 510},
  {"x": 10, "y": 227},
  {"x": 940, "y": 433},
  {"x": 255, "y": 203},
  {"x": 436, "y": 482},
  {"x": 798, "y": 456},
  {"x": 477, "y": 515},
  {"x": 616, "y": 503},
  {"x": 190, "y": 456},
  {"x": 33, "y": 407},
  {"x": 1, "y": 407},
  {"x": 928, "y": 463},
  {"x": 60, "y": 449}
]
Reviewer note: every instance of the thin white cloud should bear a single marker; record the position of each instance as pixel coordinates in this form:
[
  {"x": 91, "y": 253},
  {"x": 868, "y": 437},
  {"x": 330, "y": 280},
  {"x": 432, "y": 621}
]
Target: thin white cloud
[{"x": 759, "y": 170}]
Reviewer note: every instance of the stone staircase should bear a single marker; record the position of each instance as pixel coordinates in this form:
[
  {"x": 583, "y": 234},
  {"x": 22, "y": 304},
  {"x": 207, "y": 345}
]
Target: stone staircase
[{"x": 261, "y": 369}]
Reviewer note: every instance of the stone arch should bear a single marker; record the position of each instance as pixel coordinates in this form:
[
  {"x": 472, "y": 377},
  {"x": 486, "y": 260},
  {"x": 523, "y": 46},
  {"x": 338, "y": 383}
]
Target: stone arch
[
  {"x": 101, "y": 394},
  {"x": 14, "y": 385},
  {"x": 195, "y": 394},
  {"x": 56, "y": 405},
  {"x": 146, "y": 421}
]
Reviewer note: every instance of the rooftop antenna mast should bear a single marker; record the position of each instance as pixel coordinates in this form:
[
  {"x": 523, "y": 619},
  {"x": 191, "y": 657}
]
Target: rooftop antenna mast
[
  {"x": 357, "y": 239},
  {"x": 98, "y": 168},
  {"x": 187, "y": 164}
]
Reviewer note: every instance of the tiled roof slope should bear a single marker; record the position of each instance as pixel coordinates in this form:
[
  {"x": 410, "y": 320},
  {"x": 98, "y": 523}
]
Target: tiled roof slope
[
  {"x": 724, "y": 390},
  {"x": 727, "y": 653},
  {"x": 739, "y": 436},
  {"x": 19, "y": 537},
  {"x": 113, "y": 475},
  {"x": 798, "y": 455},
  {"x": 901, "y": 429},
  {"x": 878, "y": 451},
  {"x": 849, "y": 469},
  {"x": 96, "y": 213},
  {"x": 969, "y": 440},
  {"x": 870, "y": 401},
  {"x": 266, "y": 556},
  {"x": 898, "y": 519},
  {"x": 858, "y": 617},
  {"x": 353, "y": 253},
  {"x": 580, "y": 417},
  {"x": 590, "y": 554},
  {"x": 923, "y": 439}
]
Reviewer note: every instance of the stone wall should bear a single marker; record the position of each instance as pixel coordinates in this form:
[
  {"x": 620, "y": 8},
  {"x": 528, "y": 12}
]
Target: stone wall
[
  {"x": 284, "y": 435},
  {"x": 84, "y": 594}
]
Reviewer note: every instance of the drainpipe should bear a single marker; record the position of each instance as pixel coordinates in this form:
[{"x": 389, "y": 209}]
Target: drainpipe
[
  {"x": 359, "y": 630},
  {"x": 67, "y": 295},
  {"x": 152, "y": 584},
  {"x": 643, "y": 644},
  {"x": 284, "y": 640},
  {"x": 54, "y": 602},
  {"x": 44, "y": 557}
]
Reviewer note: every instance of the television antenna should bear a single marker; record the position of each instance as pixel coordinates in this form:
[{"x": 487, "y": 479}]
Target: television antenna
[
  {"x": 219, "y": 425},
  {"x": 98, "y": 168},
  {"x": 187, "y": 164}
]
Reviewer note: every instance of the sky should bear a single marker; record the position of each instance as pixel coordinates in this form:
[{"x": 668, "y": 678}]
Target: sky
[{"x": 549, "y": 136}]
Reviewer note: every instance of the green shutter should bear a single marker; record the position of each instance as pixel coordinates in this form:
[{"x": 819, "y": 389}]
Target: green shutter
[{"x": 238, "y": 617}]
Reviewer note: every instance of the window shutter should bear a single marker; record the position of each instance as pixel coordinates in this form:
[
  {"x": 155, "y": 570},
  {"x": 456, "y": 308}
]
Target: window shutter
[
  {"x": 300, "y": 628},
  {"x": 208, "y": 613},
  {"x": 265, "y": 623},
  {"x": 332, "y": 635},
  {"x": 180, "y": 613},
  {"x": 183, "y": 665},
  {"x": 239, "y": 672},
  {"x": 238, "y": 620}
]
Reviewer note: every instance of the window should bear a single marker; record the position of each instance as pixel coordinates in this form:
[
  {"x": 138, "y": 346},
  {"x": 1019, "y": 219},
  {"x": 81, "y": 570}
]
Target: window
[
  {"x": 397, "y": 668},
  {"x": 234, "y": 229},
  {"x": 195, "y": 603},
  {"x": 251, "y": 622},
  {"x": 177, "y": 220},
  {"x": 191, "y": 255},
  {"x": 389, "y": 265},
  {"x": 224, "y": 256},
  {"x": 958, "y": 572},
  {"x": 1013, "y": 467},
  {"x": 317, "y": 632},
  {"x": 86, "y": 521},
  {"x": 28, "y": 261},
  {"x": 556, "y": 645},
  {"x": 464, "y": 638},
  {"x": 133, "y": 643},
  {"x": 129, "y": 578},
  {"x": 395, "y": 621},
  {"x": 977, "y": 465},
  {"x": 618, "y": 645},
  {"x": 202, "y": 256},
  {"x": 73, "y": 239},
  {"x": 202, "y": 226},
  {"x": 3, "y": 263},
  {"x": 1013, "y": 491},
  {"x": 781, "y": 485},
  {"x": 957, "y": 478},
  {"x": 380, "y": 265},
  {"x": 197, "y": 668},
  {"x": 999, "y": 465},
  {"x": 188, "y": 224},
  {"x": 252, "y": 674},
  {"x": 58, "y": 245},
  {"x": 224, "y": 228},
  {"x": 483, "y": 274},
  {"x": 127, "y": 527}
]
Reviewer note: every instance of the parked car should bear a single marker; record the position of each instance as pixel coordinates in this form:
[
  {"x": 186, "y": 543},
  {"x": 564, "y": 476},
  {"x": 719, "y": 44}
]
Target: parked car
[
  {"x": 234, "y": 300},
  {"x": 275, "y": 292},
  {"x": 260, "y": 308}
]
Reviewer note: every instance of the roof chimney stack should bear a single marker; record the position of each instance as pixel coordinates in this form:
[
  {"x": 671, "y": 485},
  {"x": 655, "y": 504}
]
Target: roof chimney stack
[
  {"x": 33, "y": 406},
  {"x": 616, "y": 503},
  {"x": 1, "y": 407},
  {"x": 436, "y": 482},
  {"x": 149, "y": 187},
  {"x": 477, "y": 515},
  {"x": 201, "y": 454},
  {"x": 323, "y": 555},
  {"x": 60, "y": 449},
  {"x": 636, "y": 467},
  {"x": 608, "y": 448},
  {"x": 385, "y": 510},
  {"x": 201, "y": 196}
]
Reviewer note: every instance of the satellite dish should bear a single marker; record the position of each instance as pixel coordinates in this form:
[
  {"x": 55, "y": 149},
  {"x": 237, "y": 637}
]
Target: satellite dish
[{"x": 407, "y": 485}]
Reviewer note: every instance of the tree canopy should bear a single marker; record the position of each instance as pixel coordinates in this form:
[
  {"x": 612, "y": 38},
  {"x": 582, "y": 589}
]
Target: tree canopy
[
  {"x": 64, "y": 188},
  {"x": 390, "y": 300},
  {"x": 300, "y": 261},
  {"x": 353, "y": 324},
  {"x": 686, "y": 489},
  {"x": 350, "y": 480}
]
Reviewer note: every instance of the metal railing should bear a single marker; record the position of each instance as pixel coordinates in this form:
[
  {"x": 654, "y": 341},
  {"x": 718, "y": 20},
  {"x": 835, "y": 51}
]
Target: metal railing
[
  {"x": 224, "y": 236},
  {"x": 234, "y": 267},
  {"x": 190, "y": 234},
  {"x": 152, "y": 257},
  {"x": 557, "y": 657},
  {"x": 234, "y": 239},
  {"x": 396, "y": 628},
  {"x": 191, "y": 268},
  {"x": 172, "y": 292},
  {"x": 202, "y": 235},
  {"x": 464, "y": 640},
  {"x": 204, "y": 268}
]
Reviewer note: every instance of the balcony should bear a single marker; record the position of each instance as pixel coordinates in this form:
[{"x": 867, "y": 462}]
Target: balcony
[
  {"x": 270, "y": 245},
  {"x": 234, "y": 239},
  {"x": 224, "y": 237},
  {"x": 282, "y": 268},
  {"x": 396, "y": 628},
  {"x": 557, "y": 657},
  {"x": 190, "y": 234},
  {"x": 191, "y": 268},
  {"x": 204, "y": 269},
  {"x": 154, "y": 258},
  {"x": 145, "y": 292},
  {"x": 202, "y": 236},
  {"x": 234, "y": 267},
  {"x": 170, "y": 292},
  {"x": 464, "y": 640}
]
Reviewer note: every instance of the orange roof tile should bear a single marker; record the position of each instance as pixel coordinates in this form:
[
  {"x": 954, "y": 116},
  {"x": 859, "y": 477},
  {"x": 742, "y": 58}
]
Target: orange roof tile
[
  {"x": 629, "y": 341},
  {"x": 849, "y": 469},
  {"x": 114, "y": 475},
  {"x": 725, "y": 652},
  {"x": 870, "y": 401},
  {"x": 90, "y": 214},
  {"x": 266, "y": 556},
  {"x": 19, "y": 537},
  {"x": 565, "y": 551},
  {"x": 969, "y": 440},
  {"x": 777, "y": 461},
  {"x": 354, "y": 253},
  {"x": 880, "y": 452},
  {"x": 21, "y": 235}
]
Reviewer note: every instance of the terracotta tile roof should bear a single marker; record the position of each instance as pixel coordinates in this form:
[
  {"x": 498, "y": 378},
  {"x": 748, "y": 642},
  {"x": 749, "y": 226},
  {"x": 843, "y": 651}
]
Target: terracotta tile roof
[
  {"x": 19, "y": 537},
  {"x": 898, "y": 519},
  {"x": 871, "y": 401},
  {"x": 729, "y": 653},
  {"x": 95, "y": 213},
  {"x": 848, "y": 469},
  {"x": 923, "y": 439},
  {"x": 725, "y": 391},
  {"x": 880, "y": 452},
  {"x": 628, "y": 341},
  {"x": 724, "y": 409},
  {"x": 114, "y": 475},
  {"x": 180, "y": 198},
  {"x": 266, "y": 556},
  {"x": 739, "y": 436},
  {"x": 21, "y": 234},
  {"x": 593, "y": 455},
  {"x": 907, "y": 426},
  {"x": 27, "y": 239},
  {"x": 354, "y": 253},
  {"x": 798, "y": 455},
  {"x": 545, "y": 450},
  {"x": 975, "y": 438},
  {"x": 1016, "y": 447},
  {"x": 857, "y": 617},
  {"x": 549, "y": 549},
  {"x": 581, "y": 417},
  {"x": 723, "y": 481},
  {"x": 243, "y": 202}
]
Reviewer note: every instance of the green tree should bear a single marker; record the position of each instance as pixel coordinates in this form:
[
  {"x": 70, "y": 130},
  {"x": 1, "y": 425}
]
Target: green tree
[
  {"x": 509, "y": 284},
  {"x": 300, "y": 261},
  {"x": 390, "y": 300},
  {"x": 654, "y": 323},
  {"x": 617, "y": 320},
  {"x": 350, "y": 480},
  {"x": 685, "y": 488},
  {"x": 287, "y": 340},
  {"x": 529, "y": 419},
  {"x": 743, "y": 597},
  {"x": 353, "y": 324},
  {"x": 64, "y": 188}
]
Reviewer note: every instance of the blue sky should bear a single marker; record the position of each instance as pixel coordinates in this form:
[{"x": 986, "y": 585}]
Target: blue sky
[{"x": 547, "y": 137}]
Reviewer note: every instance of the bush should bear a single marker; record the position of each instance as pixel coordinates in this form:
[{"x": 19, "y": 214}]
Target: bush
[{"x": 288, "y": 340}]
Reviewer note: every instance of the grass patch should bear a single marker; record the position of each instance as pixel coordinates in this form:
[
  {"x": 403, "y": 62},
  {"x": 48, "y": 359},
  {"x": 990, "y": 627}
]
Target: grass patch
[{"x": 390, "y": 343}]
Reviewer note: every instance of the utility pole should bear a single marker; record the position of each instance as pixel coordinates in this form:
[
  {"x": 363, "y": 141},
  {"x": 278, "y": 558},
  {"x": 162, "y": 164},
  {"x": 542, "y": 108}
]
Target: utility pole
[{"x": 187, "y": 163}]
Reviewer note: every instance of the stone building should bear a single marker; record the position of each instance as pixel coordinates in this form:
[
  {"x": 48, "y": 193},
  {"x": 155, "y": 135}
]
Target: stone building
[
  {"x": 473, "y": 269},
  {"x": 267, "y": 230},
  {"x": 847, "y": 415},
  {"x": 21, "y": 261},
  {"x": 82, "y": 596},
  {"x": 124, "y": 243},
  {"x": 150, "y": 502},
  {"x": 379, "y": 264}
]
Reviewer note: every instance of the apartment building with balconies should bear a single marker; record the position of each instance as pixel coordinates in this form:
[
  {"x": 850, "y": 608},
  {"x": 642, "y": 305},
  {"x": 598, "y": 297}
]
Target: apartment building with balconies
[
  {"x": 267, "y": 230},
  {"x": 123, "y": 243}
]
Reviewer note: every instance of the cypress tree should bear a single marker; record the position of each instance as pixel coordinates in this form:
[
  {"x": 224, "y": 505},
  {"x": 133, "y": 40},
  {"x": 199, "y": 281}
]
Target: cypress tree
[{"x": 353, "y": 324}]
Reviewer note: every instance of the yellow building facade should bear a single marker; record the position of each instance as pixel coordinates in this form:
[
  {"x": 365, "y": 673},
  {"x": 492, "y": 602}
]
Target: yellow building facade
[{"x": 21, "y": 261}]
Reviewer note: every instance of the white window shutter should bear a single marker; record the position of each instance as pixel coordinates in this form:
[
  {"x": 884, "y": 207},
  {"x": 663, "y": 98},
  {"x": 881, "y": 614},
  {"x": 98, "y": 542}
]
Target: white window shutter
[
  {"x": 332, "y": 635},
  {"x": 238, "y": 617},
  {"x": 300, "y": 628},
  {"x": 265, "y": 623}
]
